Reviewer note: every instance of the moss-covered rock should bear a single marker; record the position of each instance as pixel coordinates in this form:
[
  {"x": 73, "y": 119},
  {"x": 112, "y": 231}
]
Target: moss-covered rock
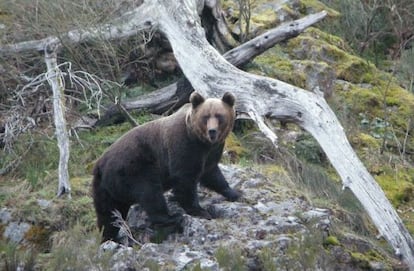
[
  {"x": 315, "y": 45},
  {"x": 233, "y": 149},
  {"x": 398, "y": 186},
  {"x": 313, "y": 6}
]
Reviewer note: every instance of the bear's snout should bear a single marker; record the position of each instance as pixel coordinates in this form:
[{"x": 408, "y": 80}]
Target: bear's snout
[{"x": 212, "y": 134}]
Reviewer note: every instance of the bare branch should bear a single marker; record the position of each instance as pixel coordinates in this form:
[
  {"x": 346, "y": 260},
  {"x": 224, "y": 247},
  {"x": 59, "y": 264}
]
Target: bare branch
[{"x": 124, "y": 228}]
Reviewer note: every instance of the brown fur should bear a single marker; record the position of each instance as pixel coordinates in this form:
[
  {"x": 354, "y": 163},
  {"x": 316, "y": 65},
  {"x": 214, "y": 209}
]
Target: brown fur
[{"x": 176, "y": 152}]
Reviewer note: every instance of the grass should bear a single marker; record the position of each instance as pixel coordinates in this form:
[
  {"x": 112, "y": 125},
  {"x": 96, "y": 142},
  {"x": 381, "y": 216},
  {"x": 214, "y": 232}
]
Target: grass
[
  {"x": 230, "y": 259},
  {"x": 14, "y": 258}
]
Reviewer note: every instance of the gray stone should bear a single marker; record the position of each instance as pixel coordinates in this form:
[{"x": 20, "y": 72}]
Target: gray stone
[
  {"x": 15, "y": 231},
  {"x": 5, "y": 215},
  {"x": 43, "y": 203}
]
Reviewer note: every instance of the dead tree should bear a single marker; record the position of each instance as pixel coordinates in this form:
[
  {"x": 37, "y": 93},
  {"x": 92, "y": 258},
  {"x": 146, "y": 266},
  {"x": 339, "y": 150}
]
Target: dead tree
[
  {"x": 259, "y": 98},
  {"x": 55, "y": 79},
  {"x": 175, "y": 95}
]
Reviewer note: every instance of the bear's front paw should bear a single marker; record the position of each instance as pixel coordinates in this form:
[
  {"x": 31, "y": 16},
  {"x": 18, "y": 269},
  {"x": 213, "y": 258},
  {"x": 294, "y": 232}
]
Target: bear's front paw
[
  {"x": 231, "y": 194},
  {"x": 199, "y": 212},
  {"x": 172, "y": 224}
]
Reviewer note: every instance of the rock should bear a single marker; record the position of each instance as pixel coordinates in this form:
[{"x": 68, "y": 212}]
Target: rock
[
  {"x": 184, "y": 257},
  {"x": 316, "y": 213},
  {"x": 15, "y": 232},
  {"x": 109, "y": 246},
  {"x": 43, "y": 203},
  {"x": 5, "y": 215},
  {"x": 124, "y": 259},
  {"x": 377, "y": 266},
  {"x": 320, "y": 77}
]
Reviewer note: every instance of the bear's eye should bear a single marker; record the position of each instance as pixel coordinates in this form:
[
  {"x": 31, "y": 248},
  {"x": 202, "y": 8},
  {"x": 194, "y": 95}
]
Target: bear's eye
[
  {"x": 205, "y": 119},
  {"x": 220, "y": 118}
]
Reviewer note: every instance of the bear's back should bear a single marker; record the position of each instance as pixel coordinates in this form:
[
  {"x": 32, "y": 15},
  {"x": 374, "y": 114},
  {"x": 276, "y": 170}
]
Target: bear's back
[{"x": 149, "y": 139}]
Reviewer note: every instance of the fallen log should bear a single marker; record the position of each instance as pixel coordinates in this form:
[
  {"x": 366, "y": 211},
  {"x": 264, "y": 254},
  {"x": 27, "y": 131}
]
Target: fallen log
[{"x": 175, "y": 95}]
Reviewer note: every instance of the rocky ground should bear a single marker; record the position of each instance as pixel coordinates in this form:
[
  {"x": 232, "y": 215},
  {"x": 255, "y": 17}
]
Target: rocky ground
[
  {"x": 274, "y": 226},
  {"x": 271, "y": 228}
]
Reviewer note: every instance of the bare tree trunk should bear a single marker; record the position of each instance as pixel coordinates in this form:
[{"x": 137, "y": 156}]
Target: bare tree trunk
[
  {"x": 175, "y": 95},
  {"x": 54, "y": 77}
]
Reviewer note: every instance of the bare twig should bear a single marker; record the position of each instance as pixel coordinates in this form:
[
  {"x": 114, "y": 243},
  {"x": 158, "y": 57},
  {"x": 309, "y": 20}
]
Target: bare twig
[{"x": 123, "y": 227}]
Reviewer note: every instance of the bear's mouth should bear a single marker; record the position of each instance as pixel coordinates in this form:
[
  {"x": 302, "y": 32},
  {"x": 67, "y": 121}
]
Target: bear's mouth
[{"x": 212, "y": 135}]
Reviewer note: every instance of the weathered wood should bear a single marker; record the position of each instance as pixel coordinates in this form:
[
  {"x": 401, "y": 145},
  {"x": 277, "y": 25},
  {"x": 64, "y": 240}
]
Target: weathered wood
[
  {"x": 125, "y": 26},
  {"x": 261, "y": 97},
  {"x": 55, "y": 79},
  {"x": 175, "y": 95}
]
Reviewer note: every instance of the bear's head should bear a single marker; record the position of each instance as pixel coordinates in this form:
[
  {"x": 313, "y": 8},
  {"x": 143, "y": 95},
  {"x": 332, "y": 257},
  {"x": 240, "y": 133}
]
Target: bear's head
[{"x": 212, "y": 119}]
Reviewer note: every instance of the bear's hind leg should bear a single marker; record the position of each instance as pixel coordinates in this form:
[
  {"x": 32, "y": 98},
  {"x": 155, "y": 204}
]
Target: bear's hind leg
[
  {"x": 214, "y": 180},
  {"x": 104, "y": 207}
]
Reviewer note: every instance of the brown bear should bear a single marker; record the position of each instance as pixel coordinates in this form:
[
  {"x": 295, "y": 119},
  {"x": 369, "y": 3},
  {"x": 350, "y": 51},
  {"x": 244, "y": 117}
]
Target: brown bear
[{"x": 175, "y": 152}]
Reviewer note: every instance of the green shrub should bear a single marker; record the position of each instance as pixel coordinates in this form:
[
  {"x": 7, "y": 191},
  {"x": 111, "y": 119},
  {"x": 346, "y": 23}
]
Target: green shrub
[{"x": 230, "y": 259}]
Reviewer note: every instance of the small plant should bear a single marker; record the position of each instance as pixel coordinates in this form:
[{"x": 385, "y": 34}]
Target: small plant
[
  {"x": 267, "y": 260},
  {"x": 308, "y": 149},
  {"x": 331, "y": 241},
  {"x": 77, "y": 249},
  {"x": 13, "y": 259},
  {"x": 230, "y": 259}
]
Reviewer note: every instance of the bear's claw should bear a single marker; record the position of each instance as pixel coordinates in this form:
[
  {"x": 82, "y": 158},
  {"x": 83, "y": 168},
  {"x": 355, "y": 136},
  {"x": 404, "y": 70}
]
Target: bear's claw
[{"x": 231, "y": 194}]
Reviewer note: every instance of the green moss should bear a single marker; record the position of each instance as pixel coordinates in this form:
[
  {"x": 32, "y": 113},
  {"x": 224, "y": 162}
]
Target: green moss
[
  {"x": 312, "y": 6},
  {"x": 362, "y": 260},
  {"x": 318, "y": 46},
  {"x": 354, "y": 69},
  {"x": 363, "y": 140},
  {"x": 274, "y": 63},
  {"x": 331, "y": 241},
  {"x": 398, "y": 187},
  {"x": 234, "y": 149},
  {"x": 265, "y": 19},
  {"x": 363, "y": 99},
  {"x": 327, "y": 38}
]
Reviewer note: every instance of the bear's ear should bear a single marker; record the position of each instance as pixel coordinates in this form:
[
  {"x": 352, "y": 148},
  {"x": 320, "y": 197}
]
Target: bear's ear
[
  {"x": 196, "y": 99},
  {"x": 229, "y": 99}
]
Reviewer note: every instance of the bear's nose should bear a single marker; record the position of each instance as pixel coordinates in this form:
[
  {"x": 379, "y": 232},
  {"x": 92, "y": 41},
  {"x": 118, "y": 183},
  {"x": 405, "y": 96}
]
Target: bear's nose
[{"x": 212, "y": 133}]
